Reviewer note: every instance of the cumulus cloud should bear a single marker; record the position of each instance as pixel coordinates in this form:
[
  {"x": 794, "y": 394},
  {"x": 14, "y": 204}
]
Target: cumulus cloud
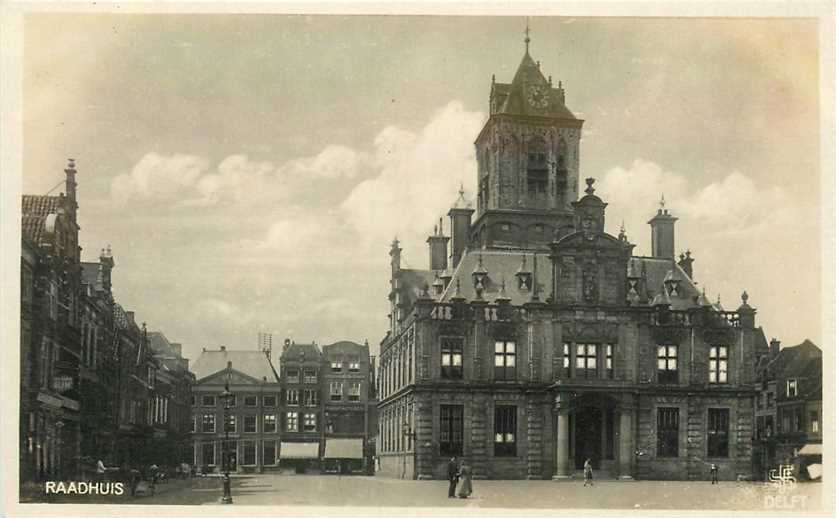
[
  {"x": 159, "y": 177},
  {"x": 418, "y": 179},
  {"x": 743, "y": 235},
  {"x": 222, "y": 312}
]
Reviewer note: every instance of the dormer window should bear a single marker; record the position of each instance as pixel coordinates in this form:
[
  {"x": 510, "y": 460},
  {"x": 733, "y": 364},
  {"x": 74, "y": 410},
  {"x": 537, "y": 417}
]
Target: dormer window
[{"x": 523, "y": 276}]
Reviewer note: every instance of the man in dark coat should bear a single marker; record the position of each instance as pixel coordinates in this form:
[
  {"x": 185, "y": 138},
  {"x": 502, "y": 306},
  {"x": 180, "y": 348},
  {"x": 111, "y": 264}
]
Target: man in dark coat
[{"x": 453, "y": 477}]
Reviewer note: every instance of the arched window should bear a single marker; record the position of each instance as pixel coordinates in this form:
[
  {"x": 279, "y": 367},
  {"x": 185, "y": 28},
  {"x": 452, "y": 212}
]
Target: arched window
[{"x": 537, "y": 167}]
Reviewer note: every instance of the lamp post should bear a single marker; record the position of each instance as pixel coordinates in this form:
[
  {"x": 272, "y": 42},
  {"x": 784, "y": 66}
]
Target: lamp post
[
  {"x": 407, "y": 432},
  {"x": 226, "y": 397}
]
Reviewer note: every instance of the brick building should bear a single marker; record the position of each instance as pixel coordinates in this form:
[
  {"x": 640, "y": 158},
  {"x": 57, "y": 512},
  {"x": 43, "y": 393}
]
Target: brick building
[
  {"x": 253, "y": 417},
  {"x": 788, "y": 410},
  {"x": 50, "y": 334},
  {"x": 348, "y": 395},
  {"x": 302, "y": 407},
  {"x": 535, "y": 340}
]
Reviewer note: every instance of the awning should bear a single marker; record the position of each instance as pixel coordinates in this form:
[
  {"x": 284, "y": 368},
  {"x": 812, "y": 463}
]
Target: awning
[
  {"x": 344, "y": 449},
  {"x": 299, "y": 450},
  {"x": 810, "y": 449}
]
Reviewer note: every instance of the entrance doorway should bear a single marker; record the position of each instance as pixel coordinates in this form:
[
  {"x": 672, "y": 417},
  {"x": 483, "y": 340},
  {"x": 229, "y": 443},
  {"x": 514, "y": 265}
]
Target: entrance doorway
[{"x": 588, "y": 425}]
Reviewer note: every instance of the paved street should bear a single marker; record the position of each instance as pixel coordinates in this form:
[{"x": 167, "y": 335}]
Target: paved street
[{"x": 377, "y": 491}]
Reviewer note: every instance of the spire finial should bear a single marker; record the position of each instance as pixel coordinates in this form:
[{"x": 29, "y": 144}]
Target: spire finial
[
  {"x": 527, "y": 31},
  {"x": 461, "y": 190},
  {"x": 589, "y": 189},
  {"x": 662, "y": 202}
]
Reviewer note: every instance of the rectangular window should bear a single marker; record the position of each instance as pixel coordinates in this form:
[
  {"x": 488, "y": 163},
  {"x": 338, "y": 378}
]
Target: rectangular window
[
  {"x": 269, "y": 401},
  {"x": 291, "y": 423},
  {"x": 451, "y": 357},
  {"x": 231, "y": 400},
  {"x": 567, "y": 361},
  {"x": 249, "y": 424},
  {"x": 718, "y": 364},
  {"x": 814, "y": 422},
  {"x": 505, "y": 360},
  {"x": 194, "y": 424},
  {"x": 311, "y": 397},
  {"x": 784, "y": 421},
  {"x": 310, "y": 422},
  {"x": 336, "y": 366},
  {"x": 608, "y": 361},
  {"x": 249, "y": 453},
  {"x": 505, "y": 431},
  {"x": 208, "y": 401},
  {"x": 799, "y": 420},
  {"x": 293, "y": 375},
  {"x": 230, "y": 424},
  {"x": 193, "y": 400},
  {"x": 208, "y": 454},
  {"x": 666, "y": 364},
  {"x": 718, "y": 432},
  {"x": 268, "y": 456},
  {"x": 586, "y": 360},
  {"x": 208, "y": 423},
  {"x": 292, "y": 397},
  {"x": 354, "y": 391},
  {"x": 250, "y": 400},
  {"x": 667, "y": 432},
  {"x": 310, "y": 375},
  {"x": 792, "y": 388},
  {"x": 336, "y": 391},
  {"x": 354, "y": 365},
  {"x": 451, "y": 430},
  {"x": 269, "y": 423}
]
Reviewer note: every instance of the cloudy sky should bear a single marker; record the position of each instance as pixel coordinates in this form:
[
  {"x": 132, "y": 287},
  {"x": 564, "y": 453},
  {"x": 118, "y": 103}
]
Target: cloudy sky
[{"x": 250, "y": 171}]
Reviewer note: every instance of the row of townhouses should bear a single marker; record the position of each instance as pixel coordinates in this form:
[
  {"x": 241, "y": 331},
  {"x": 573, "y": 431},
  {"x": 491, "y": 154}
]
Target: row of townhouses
[
  {"x": 94, "y": 384},
  {"x": 311, "y": 409}
]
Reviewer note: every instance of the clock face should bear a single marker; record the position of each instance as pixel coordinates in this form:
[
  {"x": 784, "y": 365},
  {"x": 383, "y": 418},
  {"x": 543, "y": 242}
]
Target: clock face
[{"x": 537, "y": 96}]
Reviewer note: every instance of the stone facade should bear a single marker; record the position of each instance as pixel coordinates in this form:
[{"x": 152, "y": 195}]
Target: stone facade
[{"x": 546, "y": 341}]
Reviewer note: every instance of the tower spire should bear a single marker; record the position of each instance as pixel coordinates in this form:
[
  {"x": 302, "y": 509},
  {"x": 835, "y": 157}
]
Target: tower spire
[{"x": 527, "y": 31}]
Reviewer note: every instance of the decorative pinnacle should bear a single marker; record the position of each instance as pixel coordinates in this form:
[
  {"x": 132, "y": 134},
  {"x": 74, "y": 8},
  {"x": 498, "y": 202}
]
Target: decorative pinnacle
[
  {"x": 744, "y": 297},
  {"x": 527, "y": 31},
  {"x": 662, "y": 202},
  {"x": 589, "y": 189},
  {"x": 71, "y": 163}
]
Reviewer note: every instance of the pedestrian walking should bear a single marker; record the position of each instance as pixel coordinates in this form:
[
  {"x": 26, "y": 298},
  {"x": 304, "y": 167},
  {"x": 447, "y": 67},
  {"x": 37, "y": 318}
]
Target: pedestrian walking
[
  {"x": 587, "y": 472},
  {"x": 713, "y": 470},
  {"x": 466, "y": 475},
  {"x": 453, "y": 477}
]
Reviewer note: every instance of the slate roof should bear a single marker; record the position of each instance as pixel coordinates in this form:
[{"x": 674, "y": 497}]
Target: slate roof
[
  {"x": 34, "y": 210},
  {"x": 504, "y": 264},
  {"x": 252, "y": 363},
  {"x": 528, "y": 74},
  {"x": 802, "y": 360},
  {"x": 338, "y": 348},
  {"x": 295, "y": 352},
  {"x": 500, "y": 264}
]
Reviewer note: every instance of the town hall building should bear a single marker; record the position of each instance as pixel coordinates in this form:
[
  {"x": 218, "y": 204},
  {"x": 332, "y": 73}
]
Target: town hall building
[{"x": 534, "y": 340}]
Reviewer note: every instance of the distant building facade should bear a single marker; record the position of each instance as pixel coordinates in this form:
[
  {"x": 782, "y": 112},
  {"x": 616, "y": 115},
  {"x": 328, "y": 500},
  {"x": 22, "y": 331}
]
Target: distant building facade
[
  {"x": 535, "y": 340},
  {"x": 348, "y": 395},
  {"x": 253, "y": 419},
  {"x": 302, "y": 406},
  {"x": 788, "y": 410}
]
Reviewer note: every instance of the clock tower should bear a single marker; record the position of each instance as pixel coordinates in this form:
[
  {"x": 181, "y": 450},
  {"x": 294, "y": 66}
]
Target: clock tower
[{"x": 528, "y": 163}]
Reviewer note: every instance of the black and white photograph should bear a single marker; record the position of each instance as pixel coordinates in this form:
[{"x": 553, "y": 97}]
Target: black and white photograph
[{"x": 412, "y": 258}]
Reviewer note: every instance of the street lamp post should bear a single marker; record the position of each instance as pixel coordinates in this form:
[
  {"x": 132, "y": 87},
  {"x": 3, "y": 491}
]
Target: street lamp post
[{"x": 226, "y": 396}]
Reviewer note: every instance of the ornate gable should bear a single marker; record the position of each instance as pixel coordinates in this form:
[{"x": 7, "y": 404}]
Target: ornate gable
[{"x": 235, "y": 378}]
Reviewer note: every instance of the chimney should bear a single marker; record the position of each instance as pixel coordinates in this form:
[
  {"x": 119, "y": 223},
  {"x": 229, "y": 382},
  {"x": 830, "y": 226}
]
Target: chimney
[
  {"x": 106, "y": 265},
  {"x": 460, "y": 216},
  {"x": 70, "y": 185},
  {"x": 286, "y": 344},
  {"x": 223, "y": 348},
  {"x": 662, "y": 235},
  {"x": 774, "y": 347},
  {"x": 686, "y": 263},
  {"x": 438, "y": 248},
  {"x": 395, "y": 254}
]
